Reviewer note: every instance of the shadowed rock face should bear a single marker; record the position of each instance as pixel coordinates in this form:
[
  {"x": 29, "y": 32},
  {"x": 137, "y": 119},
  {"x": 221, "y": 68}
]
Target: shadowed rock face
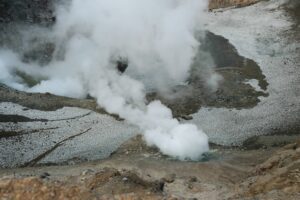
[
  {"x": 215, "y": 4},
  {"x": 27, "y": 11},
  {"x": 41, "y": 11}
]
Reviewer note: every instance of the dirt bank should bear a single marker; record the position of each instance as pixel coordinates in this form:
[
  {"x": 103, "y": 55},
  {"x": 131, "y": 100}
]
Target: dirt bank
[{"x": 136, "y": 171}]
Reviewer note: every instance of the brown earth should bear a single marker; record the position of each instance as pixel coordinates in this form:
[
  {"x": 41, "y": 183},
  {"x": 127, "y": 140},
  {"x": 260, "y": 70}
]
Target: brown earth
[
  {"x": 276, "y": 178},
  {"x": 136, "y": 171},
  {"x": 108, "y": 183}
]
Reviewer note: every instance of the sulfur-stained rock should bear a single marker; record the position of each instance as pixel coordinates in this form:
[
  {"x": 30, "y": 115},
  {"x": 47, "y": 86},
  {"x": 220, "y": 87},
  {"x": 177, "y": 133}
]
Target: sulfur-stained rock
[{"x": 280, "y": 173}]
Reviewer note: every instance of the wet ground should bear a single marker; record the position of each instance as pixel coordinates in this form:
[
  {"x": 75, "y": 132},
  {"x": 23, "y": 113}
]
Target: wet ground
[{"x": 233, "y": 91}]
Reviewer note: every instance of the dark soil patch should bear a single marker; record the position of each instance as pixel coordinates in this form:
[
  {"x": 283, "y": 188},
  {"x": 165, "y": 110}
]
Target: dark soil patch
[
  {"x": 47, "y": 101},
  {"x": 15, "y": 118},
  {"x": 232, "y": 92}
]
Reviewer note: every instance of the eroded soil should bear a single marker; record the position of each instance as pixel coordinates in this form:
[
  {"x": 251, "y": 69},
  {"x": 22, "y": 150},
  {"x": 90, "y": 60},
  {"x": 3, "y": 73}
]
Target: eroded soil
[{"x": 136, "y": 171}]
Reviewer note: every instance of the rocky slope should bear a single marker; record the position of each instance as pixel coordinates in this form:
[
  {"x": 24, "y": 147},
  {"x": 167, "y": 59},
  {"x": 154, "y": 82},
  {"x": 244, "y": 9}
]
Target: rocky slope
[
  {"x": 52, "y": 141},
  {"x": 139, "y": 172},
  {"x": 215, "y": 4},
  {"x": 277, "y": 177},
  {"x": 28, "y": 11},
  {"x": 41, "y": 12}
]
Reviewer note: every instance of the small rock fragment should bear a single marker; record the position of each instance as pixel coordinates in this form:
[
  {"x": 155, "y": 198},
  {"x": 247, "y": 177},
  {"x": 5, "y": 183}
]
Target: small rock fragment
[
  {"x": 87, "y": 172},
  {"x": 44, "y": 175},
  {"x": 193, "y": 179},
  {"x": 170, "y": 178}
]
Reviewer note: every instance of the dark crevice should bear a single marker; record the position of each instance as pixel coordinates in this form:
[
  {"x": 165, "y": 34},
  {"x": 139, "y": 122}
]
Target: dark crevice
[
  {"x": 34, "y": 161},
  {"x": 9, "y": 134},
  {"x": 18, "y": 118},
  {"x": 71, "y": 118}
]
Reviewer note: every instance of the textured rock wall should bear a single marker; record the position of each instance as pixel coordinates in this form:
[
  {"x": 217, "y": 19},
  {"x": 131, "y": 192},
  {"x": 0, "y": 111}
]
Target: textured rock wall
[
  {"x": 214, "y": 4},
  {"x": 27, "y": 11},
  {"x": 41, "y": 11}
]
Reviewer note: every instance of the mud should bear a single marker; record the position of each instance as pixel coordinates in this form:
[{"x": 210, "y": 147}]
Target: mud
[{"x": 232, "y": 92}]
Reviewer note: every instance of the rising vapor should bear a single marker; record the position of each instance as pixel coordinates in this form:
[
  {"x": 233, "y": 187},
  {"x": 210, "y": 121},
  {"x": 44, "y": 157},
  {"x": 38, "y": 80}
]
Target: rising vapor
[{"x": 157, "y": 39}]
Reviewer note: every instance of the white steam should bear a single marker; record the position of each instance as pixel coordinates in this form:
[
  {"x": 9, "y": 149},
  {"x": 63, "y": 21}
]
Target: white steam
[{"x": 157, "y": 37}]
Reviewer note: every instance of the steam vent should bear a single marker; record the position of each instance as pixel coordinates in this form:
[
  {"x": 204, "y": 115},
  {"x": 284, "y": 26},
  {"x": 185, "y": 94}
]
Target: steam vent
[{"x": 149, "y": 99}]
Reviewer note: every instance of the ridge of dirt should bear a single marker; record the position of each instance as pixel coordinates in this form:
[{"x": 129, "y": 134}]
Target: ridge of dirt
[{"x": 136, "y": 171}]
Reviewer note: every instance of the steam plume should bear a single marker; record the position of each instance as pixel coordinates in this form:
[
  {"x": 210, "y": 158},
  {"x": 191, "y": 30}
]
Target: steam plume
[{"x": 157, "y": 37}]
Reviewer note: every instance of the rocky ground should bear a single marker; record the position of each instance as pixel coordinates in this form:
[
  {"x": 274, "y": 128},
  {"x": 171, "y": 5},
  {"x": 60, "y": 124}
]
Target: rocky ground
[
  {"x": 55, "y": 147},
  {"x": 217, "y": 4},
  {"x": 136, "y": 171}
]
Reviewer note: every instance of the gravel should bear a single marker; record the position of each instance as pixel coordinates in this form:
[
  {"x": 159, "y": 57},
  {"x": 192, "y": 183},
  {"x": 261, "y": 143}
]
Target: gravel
[{"x": 259, "y": 32}]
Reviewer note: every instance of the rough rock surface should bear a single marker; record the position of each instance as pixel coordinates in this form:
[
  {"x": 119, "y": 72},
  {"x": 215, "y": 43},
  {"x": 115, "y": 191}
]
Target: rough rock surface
[
  {"x": 215, "y": 4},
  {"x": 27, "y": 11},
  {"x": 276, "y": 50},
  {"x": 27, "y": 141},
  {"x": 136, "y": 171},
  {"x": 67, "y": 135},
  {"x": 108, "y": 183},
  {"x": 277, "y": 177}
]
